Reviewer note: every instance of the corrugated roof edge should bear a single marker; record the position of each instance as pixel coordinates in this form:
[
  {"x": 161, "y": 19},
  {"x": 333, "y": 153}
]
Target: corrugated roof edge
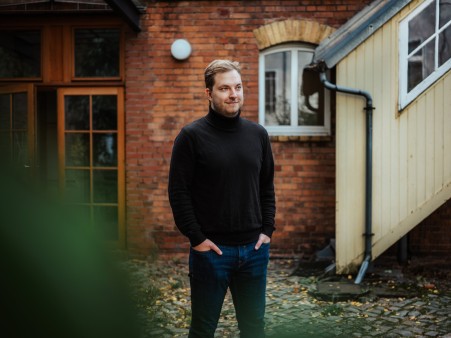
[{"x": 356, "y": 30}]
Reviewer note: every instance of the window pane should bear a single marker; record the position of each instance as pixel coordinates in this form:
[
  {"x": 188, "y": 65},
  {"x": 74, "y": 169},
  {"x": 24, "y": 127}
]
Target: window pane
[
  {"x": 20, "y": 147},
  {"x": 5, "y": 112},
  {"x": 105, "y": 150},
  {"x": 82, "y": 212},
  {"x": 96, "y": 52},
  {"x": 5, "y": 146},
  {"x": 106, "y": 220},
  {"x": 413, "y": 44},
  {"x": 77, "y": 186},
  {"x": 20, "y": 54},
  {"x": 422, "y": 26},
  {"x": 311, "y": 95},
  {"x": 20, "y": 111},
  {"x": 278, "y": 87},
  {"x": 421, "y": 65},
  {"x": 270, "y": 92},
  {"x": 76, "y": 109},
  {"x": 77, "y": 150},
  {"x": 5, "y": 127},
  {"x": 444, "y": 46},
  {"x": 104, "y": 112},
  {"x": 105, "y": 186},
  {"x": 5, "y": 140},
  {"x": 445, "y": 12}
]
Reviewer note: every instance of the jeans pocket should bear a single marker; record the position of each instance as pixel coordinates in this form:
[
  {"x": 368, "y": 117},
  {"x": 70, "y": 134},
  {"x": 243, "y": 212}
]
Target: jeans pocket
[
  {"x": 200, "y": 263},
  {"x": 263, "y": 253},
  {"x": 199, "y": 252}
]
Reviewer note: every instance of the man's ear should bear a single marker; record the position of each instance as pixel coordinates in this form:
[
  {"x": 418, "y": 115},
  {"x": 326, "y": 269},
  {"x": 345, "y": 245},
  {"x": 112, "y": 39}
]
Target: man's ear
[{"x": 208, "y": 93}]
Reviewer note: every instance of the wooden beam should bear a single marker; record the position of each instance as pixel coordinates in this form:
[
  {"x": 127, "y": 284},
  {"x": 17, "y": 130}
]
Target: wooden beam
[{"x": 128, "y": 11}]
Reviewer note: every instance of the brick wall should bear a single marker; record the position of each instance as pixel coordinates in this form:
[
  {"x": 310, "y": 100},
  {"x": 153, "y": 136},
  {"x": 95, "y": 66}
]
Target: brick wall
[
  {"x": 433, "y": 235},
  {"x": 162, "y": 95}
]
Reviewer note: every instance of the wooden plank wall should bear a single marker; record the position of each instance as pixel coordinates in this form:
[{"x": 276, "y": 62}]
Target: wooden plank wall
[{"x": 411, "y": 149}]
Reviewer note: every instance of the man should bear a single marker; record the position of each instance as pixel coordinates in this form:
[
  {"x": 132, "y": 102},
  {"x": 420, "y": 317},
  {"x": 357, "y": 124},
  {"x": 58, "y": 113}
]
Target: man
[{"x": 221, "y": 190}]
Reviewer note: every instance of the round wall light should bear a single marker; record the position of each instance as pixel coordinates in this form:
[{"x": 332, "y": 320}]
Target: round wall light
[{"x": 181, "y": 49}]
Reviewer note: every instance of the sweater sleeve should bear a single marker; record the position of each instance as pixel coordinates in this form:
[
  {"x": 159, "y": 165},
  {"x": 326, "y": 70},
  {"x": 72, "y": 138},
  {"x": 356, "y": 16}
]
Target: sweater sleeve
[
  {"x": 181, "y": 175},
  {"x": 267, "y": 194}
]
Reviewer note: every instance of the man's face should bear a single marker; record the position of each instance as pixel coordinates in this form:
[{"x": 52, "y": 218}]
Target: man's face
[{"x": 226, "y": 97}]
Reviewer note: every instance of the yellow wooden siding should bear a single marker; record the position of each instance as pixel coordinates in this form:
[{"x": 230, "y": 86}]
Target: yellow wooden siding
[{"x": 411, "y": 149}]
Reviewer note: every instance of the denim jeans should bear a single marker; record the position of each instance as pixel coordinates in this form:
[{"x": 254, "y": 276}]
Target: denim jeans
[{"x": 240, "y": 268}]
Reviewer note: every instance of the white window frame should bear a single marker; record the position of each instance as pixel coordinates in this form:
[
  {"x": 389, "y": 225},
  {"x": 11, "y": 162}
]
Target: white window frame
[
  {"x": 406, "y": 97},
  {"x": 293, "y": 129}
]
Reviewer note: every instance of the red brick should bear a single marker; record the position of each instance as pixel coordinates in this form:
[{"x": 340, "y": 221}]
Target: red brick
[{"x": 162, "y": 95}]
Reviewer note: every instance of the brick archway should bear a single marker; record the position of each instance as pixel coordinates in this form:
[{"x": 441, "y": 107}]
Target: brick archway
[{"x": 291, "y": 31}]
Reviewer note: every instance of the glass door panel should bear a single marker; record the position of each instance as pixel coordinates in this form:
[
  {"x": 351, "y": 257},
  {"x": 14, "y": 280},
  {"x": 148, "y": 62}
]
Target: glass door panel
[
  {"x": 17, "y": 130},
  {"x": 91, "y": 156}
]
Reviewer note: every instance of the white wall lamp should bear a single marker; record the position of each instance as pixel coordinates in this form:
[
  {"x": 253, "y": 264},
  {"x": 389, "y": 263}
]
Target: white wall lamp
[{"x": 181, "y": 49}]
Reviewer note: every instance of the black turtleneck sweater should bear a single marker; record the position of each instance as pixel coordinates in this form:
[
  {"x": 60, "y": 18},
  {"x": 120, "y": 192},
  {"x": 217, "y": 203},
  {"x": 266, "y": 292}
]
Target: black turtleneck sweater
[{"x": 221, "y": 181}]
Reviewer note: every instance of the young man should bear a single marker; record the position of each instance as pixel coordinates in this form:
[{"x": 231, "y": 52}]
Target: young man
[{"x": 221, "y": 190}]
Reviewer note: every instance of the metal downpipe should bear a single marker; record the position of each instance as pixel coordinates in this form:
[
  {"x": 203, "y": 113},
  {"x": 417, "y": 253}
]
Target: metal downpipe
[{"x": 368, "y": 167}]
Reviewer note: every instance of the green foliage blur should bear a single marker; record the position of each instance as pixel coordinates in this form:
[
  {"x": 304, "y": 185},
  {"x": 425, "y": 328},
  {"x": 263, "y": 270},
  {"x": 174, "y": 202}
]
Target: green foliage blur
[{"x": 57, "y": 278}]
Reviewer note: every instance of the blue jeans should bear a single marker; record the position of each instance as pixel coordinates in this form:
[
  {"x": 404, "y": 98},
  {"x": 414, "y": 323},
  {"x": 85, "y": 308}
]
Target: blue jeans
[{"x": 240, "y": 268}]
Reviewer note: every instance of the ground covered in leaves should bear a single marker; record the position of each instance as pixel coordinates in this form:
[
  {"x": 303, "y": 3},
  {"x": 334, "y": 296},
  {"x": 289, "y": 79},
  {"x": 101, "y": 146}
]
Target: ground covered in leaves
[{"x": 399, "y": 304}]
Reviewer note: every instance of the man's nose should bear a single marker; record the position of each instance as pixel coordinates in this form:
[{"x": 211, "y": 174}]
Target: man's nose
[{"x": 233, "y": 92}]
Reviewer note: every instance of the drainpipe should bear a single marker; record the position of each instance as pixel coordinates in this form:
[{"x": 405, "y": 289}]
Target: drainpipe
[{"x": 368, "y": 164}]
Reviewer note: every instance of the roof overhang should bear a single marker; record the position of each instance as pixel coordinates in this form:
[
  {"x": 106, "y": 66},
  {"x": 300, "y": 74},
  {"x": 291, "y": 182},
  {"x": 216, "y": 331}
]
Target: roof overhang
[
  {"x": 361, "y": 26},
  {"x": 129, "y": 10}
]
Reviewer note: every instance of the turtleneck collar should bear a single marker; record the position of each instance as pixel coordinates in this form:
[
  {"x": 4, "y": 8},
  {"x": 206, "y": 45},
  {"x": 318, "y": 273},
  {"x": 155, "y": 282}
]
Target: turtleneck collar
[{"x": 222, "y": 122}]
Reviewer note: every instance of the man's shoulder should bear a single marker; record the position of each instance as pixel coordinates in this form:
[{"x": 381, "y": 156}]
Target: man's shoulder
[
  {"x": 254, "y": 126},
  {"x": 194, "y": 126}
]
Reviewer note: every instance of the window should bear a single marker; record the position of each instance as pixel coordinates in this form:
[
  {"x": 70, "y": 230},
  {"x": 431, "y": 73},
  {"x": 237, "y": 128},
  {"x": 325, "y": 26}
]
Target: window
[
  {"x": 287, "y": 105},
  {"x": 424, "y": 48},
  {"x": 20, "y": 54},
  {"x": 97, "y": 53},
  {"x": 91, "y": 149}
]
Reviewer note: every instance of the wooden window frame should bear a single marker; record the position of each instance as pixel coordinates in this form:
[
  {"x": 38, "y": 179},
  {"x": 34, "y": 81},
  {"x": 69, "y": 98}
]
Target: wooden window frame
[
  {"x": 121, "y": 54},
  {"x": 119, "y": 92},
  {"x": 27, "y": 79}
]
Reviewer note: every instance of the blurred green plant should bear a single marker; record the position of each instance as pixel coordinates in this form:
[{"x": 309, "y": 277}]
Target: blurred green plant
[
  {"x": 145, "y": 294},
  {"x": 57, "y": 276}
]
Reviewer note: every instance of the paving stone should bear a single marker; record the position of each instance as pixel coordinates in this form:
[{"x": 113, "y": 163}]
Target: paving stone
[
  {"x": 371, "y": 319},
  {"x": 291, "y": 308},
  {"x": 419, "y": 304},
  {"x": 416, "y": 330},
  {"x": 403, "y": 313},
  {"x": 414, "y": 313},
  {"x": 404, "y": 333}
]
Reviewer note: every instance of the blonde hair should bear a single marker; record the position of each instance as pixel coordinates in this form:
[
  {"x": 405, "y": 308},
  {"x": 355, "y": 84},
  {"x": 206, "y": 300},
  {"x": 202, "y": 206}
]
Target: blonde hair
[{"x": 219, "y": 66}]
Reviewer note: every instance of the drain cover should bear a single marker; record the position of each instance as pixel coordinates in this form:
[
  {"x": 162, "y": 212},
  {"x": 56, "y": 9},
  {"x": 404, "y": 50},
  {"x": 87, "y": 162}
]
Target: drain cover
[{"x": 338, "y": 291}]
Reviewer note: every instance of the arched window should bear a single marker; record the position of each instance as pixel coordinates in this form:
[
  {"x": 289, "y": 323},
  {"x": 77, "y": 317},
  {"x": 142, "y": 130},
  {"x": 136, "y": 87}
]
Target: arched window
[{"x": 289, "y": 104}]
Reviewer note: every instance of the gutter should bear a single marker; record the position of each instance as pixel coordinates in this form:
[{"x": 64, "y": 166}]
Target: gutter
[{"x": 321, "y": 67}]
